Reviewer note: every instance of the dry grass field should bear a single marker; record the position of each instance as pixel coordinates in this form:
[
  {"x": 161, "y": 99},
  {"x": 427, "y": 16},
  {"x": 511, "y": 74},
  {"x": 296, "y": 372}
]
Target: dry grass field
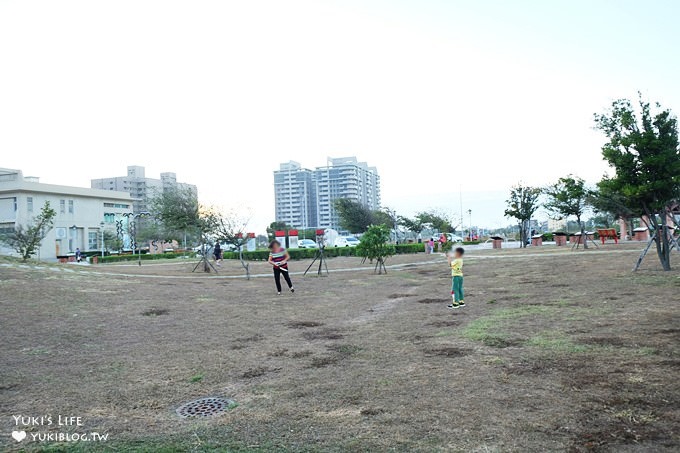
[{"x": 556, "y": 351}]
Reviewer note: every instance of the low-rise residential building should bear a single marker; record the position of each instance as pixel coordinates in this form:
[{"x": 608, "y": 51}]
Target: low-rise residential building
[
  {"x": 141, "y": 188},
  {"x": 82, "y": 214}
]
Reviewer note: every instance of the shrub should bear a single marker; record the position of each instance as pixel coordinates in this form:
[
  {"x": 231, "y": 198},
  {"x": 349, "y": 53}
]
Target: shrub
[{"x": 144, "y": 257}]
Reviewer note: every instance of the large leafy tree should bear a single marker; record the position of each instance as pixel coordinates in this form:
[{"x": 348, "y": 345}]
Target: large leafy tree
[
  {"x": 354, "y": 216},
  {"x": 375, "y": 245},
  {"x": 414, "y": 225},
  {"x": 609, "y": 203},
  {"x": 522, "y": 205},
  {"x": 26, "y": 240},
  {"x": 643, "y": 149},
  {"x": 569, "y": 197},
  {"x": 178, "y": 212},
  {"x": 436, "y": 221}
]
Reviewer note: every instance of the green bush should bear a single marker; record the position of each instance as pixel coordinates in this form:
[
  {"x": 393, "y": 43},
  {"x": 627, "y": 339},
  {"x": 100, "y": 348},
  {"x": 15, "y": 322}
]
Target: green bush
[
  {"x": 329, "y": 252},
  {"x": 145, "y": 257}
]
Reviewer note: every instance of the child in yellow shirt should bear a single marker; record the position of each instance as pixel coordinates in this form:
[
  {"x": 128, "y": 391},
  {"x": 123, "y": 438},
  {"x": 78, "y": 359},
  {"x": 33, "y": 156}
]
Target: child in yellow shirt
[{"x": 456, "y": 265}]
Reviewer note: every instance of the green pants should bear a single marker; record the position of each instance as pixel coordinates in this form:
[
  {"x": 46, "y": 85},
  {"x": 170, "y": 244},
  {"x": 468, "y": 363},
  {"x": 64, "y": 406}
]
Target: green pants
[{"x": 457, "y": 288}]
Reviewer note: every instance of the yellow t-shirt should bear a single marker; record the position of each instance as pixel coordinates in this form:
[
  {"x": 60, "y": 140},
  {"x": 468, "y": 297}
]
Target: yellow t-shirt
[{"x": 457, "y": 267}]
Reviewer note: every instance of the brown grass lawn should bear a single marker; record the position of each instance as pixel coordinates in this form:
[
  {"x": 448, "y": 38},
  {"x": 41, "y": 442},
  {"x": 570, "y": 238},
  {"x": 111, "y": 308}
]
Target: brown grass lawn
[{"x": 556, "y": 351}]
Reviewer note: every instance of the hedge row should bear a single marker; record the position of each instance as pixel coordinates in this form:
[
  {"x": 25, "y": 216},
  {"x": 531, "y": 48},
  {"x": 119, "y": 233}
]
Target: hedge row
[
  {"x": 329, "y": 252},
  {"x": 145, "y": 257}
]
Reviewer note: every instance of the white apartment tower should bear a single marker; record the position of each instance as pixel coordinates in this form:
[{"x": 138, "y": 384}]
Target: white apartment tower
[{"x": 305, "y": 198}]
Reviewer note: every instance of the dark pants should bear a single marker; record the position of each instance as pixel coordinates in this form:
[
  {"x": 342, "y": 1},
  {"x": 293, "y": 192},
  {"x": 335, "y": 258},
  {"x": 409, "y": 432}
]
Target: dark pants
[{"x": 277, "y": 277}]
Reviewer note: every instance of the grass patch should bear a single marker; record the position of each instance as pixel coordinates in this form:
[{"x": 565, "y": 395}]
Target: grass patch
[
  {"x": 488, "y": 329},
  {"x": 197, "y": 377},
  {"x": 553, "y": 343}
]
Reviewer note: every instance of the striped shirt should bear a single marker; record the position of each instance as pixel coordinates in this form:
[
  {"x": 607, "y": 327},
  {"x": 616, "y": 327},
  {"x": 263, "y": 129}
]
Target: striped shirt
[{"x": 278, "y": 256}]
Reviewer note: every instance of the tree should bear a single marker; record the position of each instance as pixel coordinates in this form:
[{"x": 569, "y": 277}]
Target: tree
[
  {"x": 354, "y": 216},
  {"x": 643, "y": 149},
  {"x": 274, "y": 227},
  {"x": 112, "y": 241},
  {"x": 231, "y": 229},
  {"x": 436, "y": 221},
  {"x": 522, "y": 205},
  {"x": 568, "y": 197},
  {"x": 25, "y": 240},
  {"x": 414, "y": 225},
  {"x": 178, "y": 212},
  {"x": 607, "y": 201},
  {"x": 375, "y": 245}
]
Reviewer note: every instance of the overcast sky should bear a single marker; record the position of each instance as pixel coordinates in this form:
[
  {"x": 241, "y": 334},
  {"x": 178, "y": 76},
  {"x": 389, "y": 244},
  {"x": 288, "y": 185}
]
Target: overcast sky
[{"x": 438, "y": 95}]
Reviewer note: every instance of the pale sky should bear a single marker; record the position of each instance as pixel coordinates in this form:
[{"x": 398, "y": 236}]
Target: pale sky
[{"x": 436, "y": 94}]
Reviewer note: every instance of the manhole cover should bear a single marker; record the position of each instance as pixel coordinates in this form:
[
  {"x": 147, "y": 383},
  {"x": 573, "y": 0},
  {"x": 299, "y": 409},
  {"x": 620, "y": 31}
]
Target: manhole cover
[{"x": 205, "y": 407}]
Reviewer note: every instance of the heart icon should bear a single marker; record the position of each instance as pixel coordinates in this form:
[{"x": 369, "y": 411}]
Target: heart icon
[{"x": 19, "y": 435}]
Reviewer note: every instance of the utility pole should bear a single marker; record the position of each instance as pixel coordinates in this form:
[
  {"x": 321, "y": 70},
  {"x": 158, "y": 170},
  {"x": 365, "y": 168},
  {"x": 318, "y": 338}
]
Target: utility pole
[{"x": 470, "y": 230}]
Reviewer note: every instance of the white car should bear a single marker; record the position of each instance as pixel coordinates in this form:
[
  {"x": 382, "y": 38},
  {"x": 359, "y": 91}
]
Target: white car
[
  {"x": 307, "y": 244},
  {"x": 346, "y": 241}
]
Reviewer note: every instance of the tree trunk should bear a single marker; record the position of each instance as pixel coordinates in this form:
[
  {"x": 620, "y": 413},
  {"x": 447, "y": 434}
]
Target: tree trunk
[
  {"x": 584, "y": 236},
  {"x": 663, "y": 244}
]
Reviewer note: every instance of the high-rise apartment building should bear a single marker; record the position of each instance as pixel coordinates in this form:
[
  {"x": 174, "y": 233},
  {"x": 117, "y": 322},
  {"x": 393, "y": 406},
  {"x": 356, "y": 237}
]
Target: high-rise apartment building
[
  {"x": 295, "y": 196},
  {"x": 305, "y": 198},
  {"x": 141, "y": 188}
]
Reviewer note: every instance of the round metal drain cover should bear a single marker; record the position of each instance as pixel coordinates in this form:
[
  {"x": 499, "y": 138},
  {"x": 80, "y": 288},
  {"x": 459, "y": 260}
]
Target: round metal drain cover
[{"x": 204, "y": 407}]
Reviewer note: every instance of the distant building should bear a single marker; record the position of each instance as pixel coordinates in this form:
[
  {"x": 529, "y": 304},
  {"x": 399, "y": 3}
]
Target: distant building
[
  {"x": 305, "y": 198},
  {"x": 295, "y": 196},
  {"x": 557, "y": 225},
  {"x": 82, "y": 212},
  {"x": 141, "y": 188}
]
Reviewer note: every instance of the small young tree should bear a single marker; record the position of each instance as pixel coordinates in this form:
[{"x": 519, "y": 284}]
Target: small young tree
[
  {"x": 25, "y": 240},
  {"x": 568, "y": 197},
  {"x": 231, "y": 229},
  {"x": 375, "y": 245},
  {"x": 112, "y": 241},
  {"x": 644, "y": 151},
  {"x": 522, "y": 205}
]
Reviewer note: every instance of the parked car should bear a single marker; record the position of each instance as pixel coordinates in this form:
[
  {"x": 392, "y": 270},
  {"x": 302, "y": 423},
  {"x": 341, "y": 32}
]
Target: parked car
[
  {"x": 346, "y": 241},
  {"x": 307, "y": 244}
]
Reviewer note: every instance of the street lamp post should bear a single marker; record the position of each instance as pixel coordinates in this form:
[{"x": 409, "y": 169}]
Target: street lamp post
[
  {"x": 470, "y": 230},
  {"x": 74, "y": 237},
  {"x": 101, "y": 224}
]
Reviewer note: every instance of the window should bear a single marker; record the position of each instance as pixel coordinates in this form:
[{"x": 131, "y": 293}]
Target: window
[
  {"x": 92, "y": 240},
  {"x": 29, "y": 204},
  {"x": 109, "y": 217},
  {"x": 116, "y": 205},
  {"x": 6, "y": 228},
  {"x": 70, "y": 206},
  {"x": 62, "y": 206}
]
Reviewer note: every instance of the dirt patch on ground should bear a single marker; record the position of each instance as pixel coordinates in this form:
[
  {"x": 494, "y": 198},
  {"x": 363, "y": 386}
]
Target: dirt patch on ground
[
  {"x": 323, "y": 334},
  {"x": 432, "y": 300},
  {"x": 304, "y": 324},
  {"x": 446, "y": 352},
  {"x": 155, "y": 312},
  {"x": 399, "y": 296}
]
